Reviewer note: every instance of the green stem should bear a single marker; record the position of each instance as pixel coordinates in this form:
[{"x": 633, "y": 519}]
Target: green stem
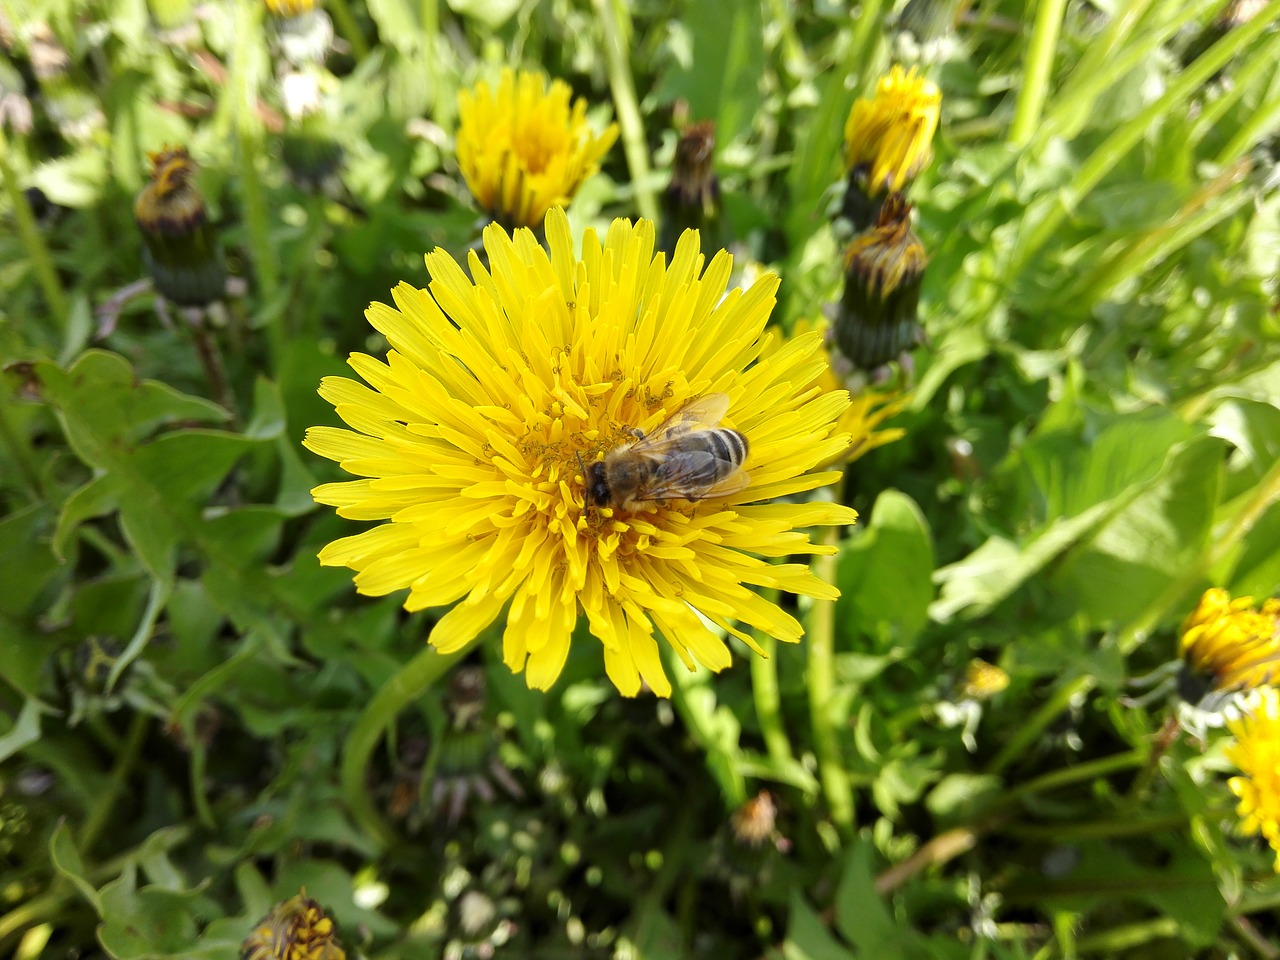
[
  {"x": 820, "y": 680},
  {"x": 41, "y": 260},
  {"x": 768, "y": 700},
  {"x": 867, "y": 33},
  {"x": 1260, "y": 122},
  {"x": 119, "y": 776},
  {"x": 1117, "y": 146},
  {"x": 1035, "y": 83},
  {"x": 629, "y": 119},
  {"x": 348, "y": 27},
  {"x": 405, "y": 686},
  {"x": 20, "y": 451},
  {"x": 1029, "y": 731},
  {"x": 1091, "y": 770},
  {"x": 1242, "y": 81}
]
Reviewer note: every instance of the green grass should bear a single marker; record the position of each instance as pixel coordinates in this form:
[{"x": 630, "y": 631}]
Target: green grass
[{"x": 198, "y": 720}]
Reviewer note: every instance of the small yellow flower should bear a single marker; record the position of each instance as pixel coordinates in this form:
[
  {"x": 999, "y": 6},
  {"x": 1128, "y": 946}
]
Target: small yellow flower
[
  {"x": 867, "y": 411},
  {"x": 892, "y": 134},
  {"x": 983, "y": 680},
  {"x": 1256, "y": 753},
  {"x": 180, "y": 248},
  {"x": 500, "y": 388},
  {"x": 290, "y": 8},
  {"x": 523, "y": 149},
  {"x": 1228, "y": 645},
  {"x": 297, "y": 929}
]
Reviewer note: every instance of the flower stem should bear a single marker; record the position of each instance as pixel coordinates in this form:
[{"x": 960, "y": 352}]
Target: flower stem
[
  {"x": 862, "y": 46},
  {"x": 41, "y": 260},
  {"x": 768, "y": 701},
  {"x": 124, "y": 764},
  {"x": 406, "y": 685},
  {"x": 820, "y": 680},
  {"x": 1035, "y": 84},
  {"x": 348, "y": 27},
  {"x": 624, "y": 98}
]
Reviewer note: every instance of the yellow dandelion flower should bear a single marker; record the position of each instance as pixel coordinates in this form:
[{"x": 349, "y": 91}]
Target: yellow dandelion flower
[
  {"x": 523, "y": 148},
  {"x": 1227, "y": 646},
  {"x": 1256, "y": 754},
  {"x": 503, "y": 392},
  {"x": 891, "y": 135},
  {"x": 297, "y": 929},
  {"x": 867, "y": 410}
]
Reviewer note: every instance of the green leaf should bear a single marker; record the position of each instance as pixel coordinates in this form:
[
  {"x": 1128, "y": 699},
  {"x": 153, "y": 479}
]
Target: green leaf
[
  {"x": 885, "y": 574},
  {"x": 721, "y": 81},
  {"x": 1132, "y": 557},
  {"x": 66, "y": 860},
  {"x": 807, "y": 938},
  {"x": 861, "y": 916},
  {"x": 25, "y": 730},
  {"x": 27, "y": 565},
  {"x": 151, "y": 923}
]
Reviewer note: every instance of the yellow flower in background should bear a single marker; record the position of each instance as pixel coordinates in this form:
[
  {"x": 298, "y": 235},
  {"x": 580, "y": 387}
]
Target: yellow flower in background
[
  {"x": 502, "y": 390},
  {"x": 1227, "y": 645},
  {"x": 297, "y": 929},
  {"x": 983, "y": 680},
  {"x": 523, "y": 148},
  {"x": 867, "y": 410},
  {"x": 290, "y": 8},
  {"x": 892, "y": 133},
  {"x": 1256, "y": 753}
]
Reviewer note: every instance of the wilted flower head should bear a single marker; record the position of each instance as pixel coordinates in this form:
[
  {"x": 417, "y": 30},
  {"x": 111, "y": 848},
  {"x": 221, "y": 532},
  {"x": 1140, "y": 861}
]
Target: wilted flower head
[
  {"x": 876, "y": 321},
  {"x": 756, "y": 820},
  {"x": 889, "y": 138},
  {"x": 180, "y": 248},
  {"x": 297, "y": 929},
  {"x": 1256, "y": 753},
  {"x": 498, "y": 393},
  {"x": 523, "y": 148},
  {"x": 1228, "y": 646}
]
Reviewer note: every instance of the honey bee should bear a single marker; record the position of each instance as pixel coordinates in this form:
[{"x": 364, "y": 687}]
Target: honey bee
[{"x": 688, "y": 457}]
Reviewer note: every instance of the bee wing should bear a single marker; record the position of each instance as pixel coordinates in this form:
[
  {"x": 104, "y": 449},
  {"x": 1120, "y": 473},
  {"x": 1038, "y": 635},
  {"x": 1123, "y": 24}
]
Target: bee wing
[
  {"x": 706, "y": 411},
  {"x": 690, "y": 475}
]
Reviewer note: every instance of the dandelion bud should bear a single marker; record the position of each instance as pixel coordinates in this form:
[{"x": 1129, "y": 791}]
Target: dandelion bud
[
  {"x": 888, "y": 140},
  {"x": 180, "y": 248},
  {"x": 297, "y": 929},
  {"x": 310, "y": 150},
  {"x": 692, "y": 199},
  {"x": 876, "y": 319}
]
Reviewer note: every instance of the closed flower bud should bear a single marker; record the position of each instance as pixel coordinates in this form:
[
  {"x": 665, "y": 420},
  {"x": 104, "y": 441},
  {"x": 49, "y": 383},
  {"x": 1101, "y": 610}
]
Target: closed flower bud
[
  {"x": 876, "y": 319},
  {"x": 692, "y": 199},
  {"x": 297, "y": 929},
  {"x": 180, "y": 247}
]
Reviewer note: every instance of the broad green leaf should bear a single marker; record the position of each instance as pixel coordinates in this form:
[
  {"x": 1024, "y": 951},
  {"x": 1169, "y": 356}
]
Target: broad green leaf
[
  {"x": 27, "y": 564},
  {"x": 722, "y": 80},
  {"x": 807, "y": 938},
  {"x": 861, "y": 916},
  {"x": 885, "y": 572},
  {"x": 1132, "y": 557},
  {"x": 24, "y": 730}
]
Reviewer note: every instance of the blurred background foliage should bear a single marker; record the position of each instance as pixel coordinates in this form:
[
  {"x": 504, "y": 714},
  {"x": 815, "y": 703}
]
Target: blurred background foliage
[{"x": 1093, "y": 438}]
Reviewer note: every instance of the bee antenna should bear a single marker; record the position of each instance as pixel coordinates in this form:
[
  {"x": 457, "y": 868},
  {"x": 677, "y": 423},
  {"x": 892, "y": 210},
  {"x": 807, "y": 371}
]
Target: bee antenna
[{"x": 582, "y": 466}]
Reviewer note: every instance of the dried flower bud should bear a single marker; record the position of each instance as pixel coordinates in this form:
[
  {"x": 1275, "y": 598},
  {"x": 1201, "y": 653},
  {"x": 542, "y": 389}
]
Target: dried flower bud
[
  {"x": 876, "y": 319},
  {"x": 756, "y": 820},
  {"x": 692, "y": 199},
  {"x": 180, "y": 248}
]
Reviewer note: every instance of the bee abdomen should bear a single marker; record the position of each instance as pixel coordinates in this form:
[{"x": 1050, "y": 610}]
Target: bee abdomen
[{"x": 727, "y": 445}]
